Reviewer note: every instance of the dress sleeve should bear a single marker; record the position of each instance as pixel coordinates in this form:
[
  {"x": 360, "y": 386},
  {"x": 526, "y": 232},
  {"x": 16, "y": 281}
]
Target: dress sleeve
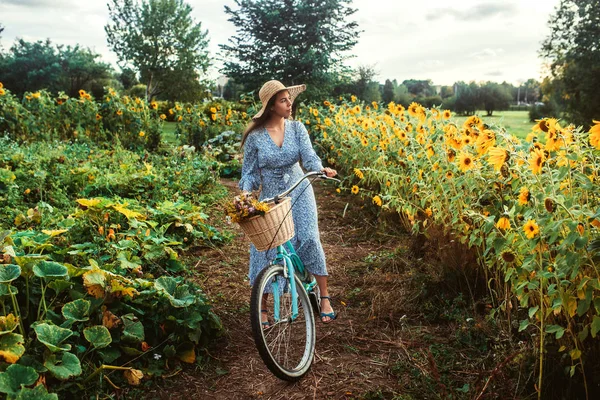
[
  {"x": 310, "y": 159},
  {"x": 250, "y": 172}
]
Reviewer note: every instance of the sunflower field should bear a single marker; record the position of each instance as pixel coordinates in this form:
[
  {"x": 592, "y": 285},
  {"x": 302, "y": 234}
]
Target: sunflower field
[{"x": 531, "y": 209}]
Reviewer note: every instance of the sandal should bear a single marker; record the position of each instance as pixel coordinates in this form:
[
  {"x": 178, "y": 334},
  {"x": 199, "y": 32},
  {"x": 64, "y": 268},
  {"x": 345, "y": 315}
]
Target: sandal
[
  {"x": 331, "y": 315},
  {"x": 265, "y": 324}
]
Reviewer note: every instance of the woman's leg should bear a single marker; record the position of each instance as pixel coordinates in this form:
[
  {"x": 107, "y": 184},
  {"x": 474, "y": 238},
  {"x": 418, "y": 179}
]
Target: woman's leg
[{"x": 325, "y": 303}]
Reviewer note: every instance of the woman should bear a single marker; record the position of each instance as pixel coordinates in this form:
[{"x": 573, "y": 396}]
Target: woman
[{"x": 274, "y": 144}]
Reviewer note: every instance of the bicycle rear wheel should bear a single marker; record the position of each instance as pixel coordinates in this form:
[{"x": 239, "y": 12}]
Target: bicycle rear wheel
[{"x": 287, "y": 346}]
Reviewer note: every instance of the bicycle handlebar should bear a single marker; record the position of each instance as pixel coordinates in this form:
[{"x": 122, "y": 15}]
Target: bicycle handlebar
[{"x": 319, "y": 174}]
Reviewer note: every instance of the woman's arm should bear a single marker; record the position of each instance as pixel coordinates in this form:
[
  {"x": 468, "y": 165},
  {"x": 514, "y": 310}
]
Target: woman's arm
[
  {"x": 250, "y": 179},
  {"x": 310, "y": 159}
]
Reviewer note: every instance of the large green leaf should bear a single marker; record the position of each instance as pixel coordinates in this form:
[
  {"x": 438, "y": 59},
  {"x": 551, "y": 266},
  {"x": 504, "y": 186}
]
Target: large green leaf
[
  {"x": 9, "y": 272},
  {"x": 6, "y": 289},
  {"x": 98, "y": 336},
  {"x": 53, "y": 336},
  {"x": 77, "y": 310},
  {"x": 50, "y": 270},
  {"x": 133, "y": 329},
  {"x": 63, "y": 368},
  {"x": 60, "y": 285},
  {"x": 8, "y": 323},
  {"x": 15, "y": 377},
  {"x": 109, "y": 354},
  {"x": 37, "y": 393},
  {"x": 179, "y": 295},
  {"x": 11, "y": 347}
]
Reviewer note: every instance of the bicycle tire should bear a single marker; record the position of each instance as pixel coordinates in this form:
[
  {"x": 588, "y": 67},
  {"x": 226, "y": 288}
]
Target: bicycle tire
[{"x": 262, "y": 337}]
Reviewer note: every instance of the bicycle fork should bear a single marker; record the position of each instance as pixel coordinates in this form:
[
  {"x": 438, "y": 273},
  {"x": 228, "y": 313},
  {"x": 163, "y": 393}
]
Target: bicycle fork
[{"x": 288, "y": 273}]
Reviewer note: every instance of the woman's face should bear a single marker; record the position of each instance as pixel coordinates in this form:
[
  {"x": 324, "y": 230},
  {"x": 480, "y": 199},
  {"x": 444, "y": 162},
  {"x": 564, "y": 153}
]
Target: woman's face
[{"x": 283, "y": 104}]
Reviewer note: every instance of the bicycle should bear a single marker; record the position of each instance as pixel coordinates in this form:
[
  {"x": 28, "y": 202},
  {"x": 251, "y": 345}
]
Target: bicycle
[{"x": 287, "y": 345}]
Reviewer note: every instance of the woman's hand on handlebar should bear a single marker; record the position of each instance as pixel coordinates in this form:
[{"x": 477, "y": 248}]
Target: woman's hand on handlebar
[{"x": 329, "y": 172}]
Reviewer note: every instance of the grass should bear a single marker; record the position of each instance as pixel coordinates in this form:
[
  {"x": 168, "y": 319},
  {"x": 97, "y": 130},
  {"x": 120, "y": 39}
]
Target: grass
[
  {"x": 516, "y": 122},
  {"x": 169, "y": 132}
]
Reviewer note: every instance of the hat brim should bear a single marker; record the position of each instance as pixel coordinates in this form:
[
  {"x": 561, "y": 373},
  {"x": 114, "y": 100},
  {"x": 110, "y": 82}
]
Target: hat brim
[{"x": 294, "y": 91}]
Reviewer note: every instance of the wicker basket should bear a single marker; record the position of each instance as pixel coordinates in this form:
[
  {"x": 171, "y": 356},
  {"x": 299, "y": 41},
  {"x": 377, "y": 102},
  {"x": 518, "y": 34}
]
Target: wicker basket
[{"x": 262, "y": 228}]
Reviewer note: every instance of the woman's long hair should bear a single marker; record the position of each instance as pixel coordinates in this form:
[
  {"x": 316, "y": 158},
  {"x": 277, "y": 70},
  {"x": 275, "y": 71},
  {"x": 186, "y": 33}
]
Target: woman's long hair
[{"x": 261, "y": 121}]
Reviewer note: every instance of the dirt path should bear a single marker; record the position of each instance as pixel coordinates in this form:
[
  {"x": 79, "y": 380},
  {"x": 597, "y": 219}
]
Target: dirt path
[{"x": 355, "y": 356}]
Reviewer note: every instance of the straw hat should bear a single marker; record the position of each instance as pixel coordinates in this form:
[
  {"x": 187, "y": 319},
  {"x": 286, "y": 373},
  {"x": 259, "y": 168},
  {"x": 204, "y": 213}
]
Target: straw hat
[{"x": 271, "y": 88}]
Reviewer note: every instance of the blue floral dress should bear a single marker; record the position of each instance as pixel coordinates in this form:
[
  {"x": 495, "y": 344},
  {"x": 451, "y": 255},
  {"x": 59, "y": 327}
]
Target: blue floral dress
[{"x": 277, "y": 169}]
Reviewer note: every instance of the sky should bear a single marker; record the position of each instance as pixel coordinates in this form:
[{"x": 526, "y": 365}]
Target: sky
[{"x": 445, "y": 41}]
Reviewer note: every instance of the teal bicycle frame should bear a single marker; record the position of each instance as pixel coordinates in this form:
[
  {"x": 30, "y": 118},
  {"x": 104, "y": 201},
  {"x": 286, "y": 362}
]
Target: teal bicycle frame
[{"x": 292, "y": 264}]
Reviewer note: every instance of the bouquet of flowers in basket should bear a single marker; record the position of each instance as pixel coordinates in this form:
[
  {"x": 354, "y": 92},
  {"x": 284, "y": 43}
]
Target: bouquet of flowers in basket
[{"x": 244, "y": 207}]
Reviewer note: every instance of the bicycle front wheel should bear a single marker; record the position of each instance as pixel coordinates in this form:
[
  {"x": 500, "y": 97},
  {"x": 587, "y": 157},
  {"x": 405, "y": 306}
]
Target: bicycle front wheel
[{"x": 287, "y": 344}]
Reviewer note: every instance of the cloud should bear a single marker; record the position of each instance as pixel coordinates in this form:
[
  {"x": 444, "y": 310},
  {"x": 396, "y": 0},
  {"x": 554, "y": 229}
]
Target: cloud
[
  {"x": 34, "y": 3},
  {"x": 494, "y": 73},
  {"x": 475, "y": 13},
  {"x": 430, "y": 64},
  {"x": 487, "y": 53}
]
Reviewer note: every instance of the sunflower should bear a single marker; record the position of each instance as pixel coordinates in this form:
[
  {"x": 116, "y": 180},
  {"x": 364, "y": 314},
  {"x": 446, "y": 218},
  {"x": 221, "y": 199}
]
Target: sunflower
[
  {"x": 549, "y": 204},
  {"x": 430, "y": 151},
  {"x": 326, "y": 103},
  {"x": 536, "y": 161},
  {"x": 377, "y": 201},
  {"x": 358, "y": 173},
  {"x": 497, "y": 157},
  {"x": 531, "y": 229},
  {"x": 98, "y": 117},
  {"x": 163, "y": 116},
  {"x": 354, "y": 189},
  {"x": 142, "y": 133},
  {"x": 364, "y": 141},
  {"x": 446, "y": 114},
  {"x": 435, "y": 113},
  {"x": 503, "y": 224},
  {"x": 154, "y": 105},
  {"x": 449, "y": 175},
  {"x": 2, "y": 92},
  {"x": 542, "y": 125},
  {"x": 524, "y": 196},
  {"x": 465, "y": 162},
  {"x": 451, "y": 154},
  {"x": 508, "y": 256},
  {"x": 82, "y": 93},
  {"x": 315, "y": 112},
  {"x": 595, "y": 135},
  {"x": 580, "y": 229},
  {"x": 428, "y": 212},
  {"x": 388, "y": 183}
]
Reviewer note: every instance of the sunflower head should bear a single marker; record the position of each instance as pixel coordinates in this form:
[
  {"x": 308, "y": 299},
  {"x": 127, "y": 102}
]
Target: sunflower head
[
  {"x": 549, "y": 204},
  {"x": 508, "y": 256}
]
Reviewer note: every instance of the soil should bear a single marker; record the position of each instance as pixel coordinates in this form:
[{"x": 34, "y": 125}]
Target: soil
[{"x": 374, "y": 348}]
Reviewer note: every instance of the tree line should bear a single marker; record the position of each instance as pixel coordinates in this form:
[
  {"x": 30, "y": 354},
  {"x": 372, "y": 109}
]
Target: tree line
[{"x": 163, "y": 54}]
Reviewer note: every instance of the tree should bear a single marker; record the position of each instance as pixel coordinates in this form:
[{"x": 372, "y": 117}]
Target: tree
[
  {"x": 80, "y": 69},
  {"x": 494, "y": 97},
  {"x": 573, "y": 51},
  {"x": 421, "y": 88},
  {"x": 388, "y": 92},
  {"x": 402, "y": 96},
  {"x": 466, "y": 98},
  {"x": 294, "y": 41},
  {"x": 161, "y": 41},
  {"x": 128, "y": 78},
  {"x": 31, "y": 66}
]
